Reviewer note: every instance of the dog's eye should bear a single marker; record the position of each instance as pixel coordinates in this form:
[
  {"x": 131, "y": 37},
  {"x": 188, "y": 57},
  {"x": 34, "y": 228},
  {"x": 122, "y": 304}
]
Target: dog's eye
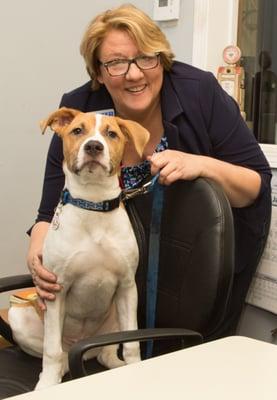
[
  {"x": 112, "y": 134},
  {"x": 77, "y": 131}
]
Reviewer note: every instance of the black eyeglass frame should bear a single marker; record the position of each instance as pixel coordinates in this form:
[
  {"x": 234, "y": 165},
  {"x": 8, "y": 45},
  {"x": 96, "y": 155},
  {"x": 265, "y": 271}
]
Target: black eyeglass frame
[{"x": 129, "y": 62}]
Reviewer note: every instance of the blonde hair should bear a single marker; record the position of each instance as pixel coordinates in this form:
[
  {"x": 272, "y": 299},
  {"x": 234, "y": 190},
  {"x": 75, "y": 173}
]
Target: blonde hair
[{"x": 142, "y": 29}]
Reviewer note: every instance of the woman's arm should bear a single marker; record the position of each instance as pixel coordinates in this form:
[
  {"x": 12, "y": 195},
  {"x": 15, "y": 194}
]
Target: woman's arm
[
  {"x": 241, "y": 185},
  {"x": 53, "y": 184},
  {"x": 44, "y": 280}
]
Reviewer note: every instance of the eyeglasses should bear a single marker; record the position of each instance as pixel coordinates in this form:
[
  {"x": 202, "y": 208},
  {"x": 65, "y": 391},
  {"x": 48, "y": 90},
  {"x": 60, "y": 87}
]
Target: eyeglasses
[{"x": 120, "y": 67}]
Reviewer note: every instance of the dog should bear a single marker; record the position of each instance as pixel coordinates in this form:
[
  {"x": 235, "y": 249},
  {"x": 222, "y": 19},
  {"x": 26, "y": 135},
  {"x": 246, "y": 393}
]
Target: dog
[{"x": 94, "y": 253}]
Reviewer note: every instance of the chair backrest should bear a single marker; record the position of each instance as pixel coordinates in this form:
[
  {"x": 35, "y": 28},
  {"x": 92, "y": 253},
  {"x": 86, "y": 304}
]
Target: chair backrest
[{"x": 196, "y": 256}]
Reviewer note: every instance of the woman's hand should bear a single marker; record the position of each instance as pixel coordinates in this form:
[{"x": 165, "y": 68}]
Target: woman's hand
[
  {"x": 44, "y": 280},
  {"x": 174, "y": 165},
  {"x": 241, "y": 185}
]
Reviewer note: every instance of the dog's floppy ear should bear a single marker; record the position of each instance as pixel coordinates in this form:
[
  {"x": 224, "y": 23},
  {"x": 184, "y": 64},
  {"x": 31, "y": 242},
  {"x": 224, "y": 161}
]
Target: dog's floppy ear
[
  {"x": 137, "y": 134},
  {"x": 59, "y": 119}
]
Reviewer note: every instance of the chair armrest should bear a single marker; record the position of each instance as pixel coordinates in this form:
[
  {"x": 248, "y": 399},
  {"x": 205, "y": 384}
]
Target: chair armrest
[
  {"x": 75, "y": 356},
  {"x": 15, "y": 282}
]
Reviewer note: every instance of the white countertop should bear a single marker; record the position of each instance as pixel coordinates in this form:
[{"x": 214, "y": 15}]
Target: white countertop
[{"x": 232, "y": 368}]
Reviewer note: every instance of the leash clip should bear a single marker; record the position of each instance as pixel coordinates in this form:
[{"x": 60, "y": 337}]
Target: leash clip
[{"x": 144, "y": 189}]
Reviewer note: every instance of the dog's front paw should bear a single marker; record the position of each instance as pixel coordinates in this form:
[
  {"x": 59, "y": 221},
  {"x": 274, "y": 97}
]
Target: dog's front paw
[
  {"x": 131, "y": 353},
  {"x": 131, "y": 359},
  {"x": 47, "y": 380}
]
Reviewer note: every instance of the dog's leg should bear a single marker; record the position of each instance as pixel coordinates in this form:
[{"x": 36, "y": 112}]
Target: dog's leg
[
  {"x": 126, "y": 302},
  {"x": 107, "y": 355},
  {"x": 27, "y": 329},
  {"x": 54, "y": 358}
]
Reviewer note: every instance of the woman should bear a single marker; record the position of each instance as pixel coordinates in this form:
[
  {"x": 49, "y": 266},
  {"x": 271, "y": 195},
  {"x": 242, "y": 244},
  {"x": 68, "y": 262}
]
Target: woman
[{"x": 196, "y": 124}]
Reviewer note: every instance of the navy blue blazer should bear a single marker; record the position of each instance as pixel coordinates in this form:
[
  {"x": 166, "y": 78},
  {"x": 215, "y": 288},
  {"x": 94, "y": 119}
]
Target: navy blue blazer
[{"x": 199, "y": 117}]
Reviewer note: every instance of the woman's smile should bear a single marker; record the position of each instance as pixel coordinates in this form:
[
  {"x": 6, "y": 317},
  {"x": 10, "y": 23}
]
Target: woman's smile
[{"x": 136, "y": 91}]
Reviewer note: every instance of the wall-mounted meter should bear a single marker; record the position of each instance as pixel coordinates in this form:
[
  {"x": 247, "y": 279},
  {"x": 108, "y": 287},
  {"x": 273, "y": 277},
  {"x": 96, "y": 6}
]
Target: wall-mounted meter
[
  {"x": 166, "y": 10},
  {"x": 231, "y": 77}
]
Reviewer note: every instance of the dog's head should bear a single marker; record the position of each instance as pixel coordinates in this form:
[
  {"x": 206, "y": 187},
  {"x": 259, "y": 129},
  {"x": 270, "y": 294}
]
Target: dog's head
[{"x": 94, "y": 142}]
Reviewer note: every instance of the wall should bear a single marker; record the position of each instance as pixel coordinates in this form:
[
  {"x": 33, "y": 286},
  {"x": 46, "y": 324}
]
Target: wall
[
  {"x": 40, "y": 60},
  {"x": 215, "y": 27}
]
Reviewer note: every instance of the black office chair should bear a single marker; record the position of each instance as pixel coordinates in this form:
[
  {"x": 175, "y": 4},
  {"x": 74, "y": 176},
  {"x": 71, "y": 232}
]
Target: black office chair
[{"x": 194, "y": 284}]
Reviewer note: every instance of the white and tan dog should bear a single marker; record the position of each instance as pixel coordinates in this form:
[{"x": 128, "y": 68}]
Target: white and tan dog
[{"x": 94, "y": 254}]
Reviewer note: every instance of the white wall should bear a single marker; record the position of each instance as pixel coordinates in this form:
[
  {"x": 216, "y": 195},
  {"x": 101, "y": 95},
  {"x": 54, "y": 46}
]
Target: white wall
[
  {"x": 39, "y": 45},
  {"x": 215, "y": 27}
]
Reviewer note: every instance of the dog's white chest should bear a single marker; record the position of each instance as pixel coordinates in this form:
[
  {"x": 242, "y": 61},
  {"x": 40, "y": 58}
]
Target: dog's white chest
[{"x": 91, "y": 252}]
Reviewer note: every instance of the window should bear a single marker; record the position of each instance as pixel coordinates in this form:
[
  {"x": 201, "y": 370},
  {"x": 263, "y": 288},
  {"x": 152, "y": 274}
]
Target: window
[{"x": 257, "y": 38}]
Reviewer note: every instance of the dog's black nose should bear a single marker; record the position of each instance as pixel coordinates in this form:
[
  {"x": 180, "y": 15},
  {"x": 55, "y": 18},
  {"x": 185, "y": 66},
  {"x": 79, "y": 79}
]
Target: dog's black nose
[{"x": 93, "y": 147}]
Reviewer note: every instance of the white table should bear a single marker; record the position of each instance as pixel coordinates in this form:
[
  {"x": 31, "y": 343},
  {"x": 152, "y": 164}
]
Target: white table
[{"x": 235, "y": 368}]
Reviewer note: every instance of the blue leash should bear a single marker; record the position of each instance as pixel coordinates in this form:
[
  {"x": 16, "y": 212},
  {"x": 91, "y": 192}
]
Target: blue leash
[
  {"x": 153, "y": 258},
  {"x": 154, "y": 249}
]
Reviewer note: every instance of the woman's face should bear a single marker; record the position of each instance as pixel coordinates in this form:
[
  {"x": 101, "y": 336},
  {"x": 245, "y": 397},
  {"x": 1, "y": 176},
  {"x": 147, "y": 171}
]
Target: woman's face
[{"x": 137, "y": 92}]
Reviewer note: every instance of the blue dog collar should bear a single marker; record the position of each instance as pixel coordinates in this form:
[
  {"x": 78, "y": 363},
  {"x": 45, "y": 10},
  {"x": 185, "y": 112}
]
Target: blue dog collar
[{"x": 107, "y": 205}]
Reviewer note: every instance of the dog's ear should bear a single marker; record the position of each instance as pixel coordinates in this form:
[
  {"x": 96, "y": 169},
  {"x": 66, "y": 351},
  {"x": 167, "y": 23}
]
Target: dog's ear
[
  {"x": 135, "y": 132},
  {"x": 59, "y": 119}
]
